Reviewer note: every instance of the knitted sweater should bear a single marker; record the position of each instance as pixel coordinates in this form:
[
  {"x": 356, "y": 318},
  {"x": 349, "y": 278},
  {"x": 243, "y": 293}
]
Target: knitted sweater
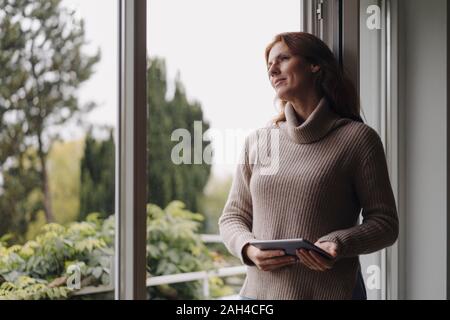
[{"x": 310, "y": 180}]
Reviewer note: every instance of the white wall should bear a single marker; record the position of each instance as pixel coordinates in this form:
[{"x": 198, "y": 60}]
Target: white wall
[{"x": 423, "y": 105}]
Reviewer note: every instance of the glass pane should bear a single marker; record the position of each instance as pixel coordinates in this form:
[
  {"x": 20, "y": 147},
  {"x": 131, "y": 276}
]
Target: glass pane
[
  {"x": 373, "y": 97},
  {"x": 57, "y": 116},
  {"x": 206, "y": 76}
]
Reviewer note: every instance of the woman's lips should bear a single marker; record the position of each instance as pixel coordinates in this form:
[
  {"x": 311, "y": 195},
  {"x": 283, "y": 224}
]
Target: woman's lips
[{"x": 277, "y": 83}]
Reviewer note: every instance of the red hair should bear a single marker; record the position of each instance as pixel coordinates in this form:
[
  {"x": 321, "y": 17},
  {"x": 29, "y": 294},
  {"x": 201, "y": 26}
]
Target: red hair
[{"x": 330, "y": 81}]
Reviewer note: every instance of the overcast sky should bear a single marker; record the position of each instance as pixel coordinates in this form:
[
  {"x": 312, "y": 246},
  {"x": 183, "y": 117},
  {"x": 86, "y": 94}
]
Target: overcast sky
[{"x": 217, "y": 46}]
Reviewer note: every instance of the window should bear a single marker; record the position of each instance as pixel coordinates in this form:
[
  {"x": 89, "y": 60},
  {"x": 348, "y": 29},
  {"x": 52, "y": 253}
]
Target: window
[
  {"x": 363, "y": 35},
  {"x": 57, "y": 146},
  {"x": 207, "y": 89}
]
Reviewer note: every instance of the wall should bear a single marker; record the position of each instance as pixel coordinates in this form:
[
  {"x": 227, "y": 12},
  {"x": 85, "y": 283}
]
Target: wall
[{"x": 423, "y": 103}]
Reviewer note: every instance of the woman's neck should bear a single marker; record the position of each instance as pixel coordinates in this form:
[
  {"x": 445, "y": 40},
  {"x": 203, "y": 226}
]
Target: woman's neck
[{"x": 304, "y": 106}]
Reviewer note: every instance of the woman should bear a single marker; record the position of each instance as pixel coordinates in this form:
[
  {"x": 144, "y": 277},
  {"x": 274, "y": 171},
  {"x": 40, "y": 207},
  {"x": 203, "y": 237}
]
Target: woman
[{"x": 330, "y": 165}]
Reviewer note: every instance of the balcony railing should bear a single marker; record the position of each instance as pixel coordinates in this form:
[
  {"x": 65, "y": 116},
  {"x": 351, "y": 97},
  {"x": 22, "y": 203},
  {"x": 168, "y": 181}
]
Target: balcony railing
[{"x": 181, "y": 277}]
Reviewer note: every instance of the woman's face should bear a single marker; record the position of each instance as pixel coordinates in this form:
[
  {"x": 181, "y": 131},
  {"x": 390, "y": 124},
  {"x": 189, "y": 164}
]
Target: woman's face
[{"x": 289, "y": 74}]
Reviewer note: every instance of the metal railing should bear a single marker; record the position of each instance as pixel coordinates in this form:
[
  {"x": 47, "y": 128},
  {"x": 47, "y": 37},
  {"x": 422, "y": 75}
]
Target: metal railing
[{"x": 203, "y": 276}]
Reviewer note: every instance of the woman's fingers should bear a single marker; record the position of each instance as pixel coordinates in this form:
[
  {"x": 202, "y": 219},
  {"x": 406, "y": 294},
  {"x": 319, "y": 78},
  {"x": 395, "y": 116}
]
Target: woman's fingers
[
  {"x": 317, "y": 265},
  {"x": 328, "y": 246},
  {"x": 278, "y": 265},
  {"x": 305, "y": 260},
  {"x": 265, "y": 258},
  {"x": 274, "y": 263},
  {"x": 310, "y": 262},
  {"x": 267, "y": 254},
  {"x": 268, "y": 260},
  {"x": 320, "y": 260}
]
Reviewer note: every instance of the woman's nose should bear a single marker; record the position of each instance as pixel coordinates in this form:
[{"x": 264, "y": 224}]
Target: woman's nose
[{"x": 273, "y": 70}]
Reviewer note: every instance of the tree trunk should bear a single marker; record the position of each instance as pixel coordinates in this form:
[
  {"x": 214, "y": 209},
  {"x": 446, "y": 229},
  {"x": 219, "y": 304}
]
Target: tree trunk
[
  {"x": 45, "y": 184},
  {"x": 47, "y": 198}
]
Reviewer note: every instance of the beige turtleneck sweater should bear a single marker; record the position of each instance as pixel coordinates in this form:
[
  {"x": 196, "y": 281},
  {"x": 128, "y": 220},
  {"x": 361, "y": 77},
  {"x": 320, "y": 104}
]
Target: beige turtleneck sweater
[{"x": 310, "y": 180}]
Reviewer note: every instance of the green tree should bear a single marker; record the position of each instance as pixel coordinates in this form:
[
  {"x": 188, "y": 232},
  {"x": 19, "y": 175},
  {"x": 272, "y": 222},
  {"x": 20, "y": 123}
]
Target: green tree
[
  {"x": 213, "y": 201},
  {"x": 42, "y": 66},
  {"x": 64, "y": 160},
  {"x": 97, "y": 176},
  {"x": 20, "y": 200},
  {"x": 166, "y": 180}
]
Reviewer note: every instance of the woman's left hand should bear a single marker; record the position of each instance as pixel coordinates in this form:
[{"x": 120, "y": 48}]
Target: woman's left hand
[{"x": 314, "y": 261}]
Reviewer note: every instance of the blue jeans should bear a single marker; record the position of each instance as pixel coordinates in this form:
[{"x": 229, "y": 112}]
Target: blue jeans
[{"x": 359, "y": 292}]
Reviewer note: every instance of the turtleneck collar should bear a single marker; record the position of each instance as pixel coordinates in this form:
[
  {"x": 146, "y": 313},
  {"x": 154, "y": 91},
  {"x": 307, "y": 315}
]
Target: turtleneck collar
[{"x": 316, "y": 126}]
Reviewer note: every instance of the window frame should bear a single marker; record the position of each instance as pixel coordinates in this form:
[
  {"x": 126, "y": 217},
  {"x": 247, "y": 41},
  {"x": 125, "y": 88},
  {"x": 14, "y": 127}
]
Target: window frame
[
  {"x": 344, "y": 16},
  {"x": 338, "y": 26},
  {"x": 131, "y": 153}
]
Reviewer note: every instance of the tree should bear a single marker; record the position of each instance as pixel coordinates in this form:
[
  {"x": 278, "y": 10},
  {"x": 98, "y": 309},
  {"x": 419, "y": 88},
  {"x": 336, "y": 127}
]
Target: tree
[
  {"x": 64, "y": 160},
  {"x": 213, "y": 201},
  {"x": 168, "y": 181},
  {"x": 97, "y": 177},
  {"x": 42, "y": 66},
  {"x": 20, "y": 200}
]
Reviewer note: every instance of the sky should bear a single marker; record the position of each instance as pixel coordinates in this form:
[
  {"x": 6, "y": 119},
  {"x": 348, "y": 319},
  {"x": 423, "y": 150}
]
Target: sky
[{"x": 216, "y": 46}]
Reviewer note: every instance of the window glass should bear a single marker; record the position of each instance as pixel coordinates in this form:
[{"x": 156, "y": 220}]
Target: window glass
[
  {"x": 57, "y": 116},
  {"x": 208, "y": 87}
]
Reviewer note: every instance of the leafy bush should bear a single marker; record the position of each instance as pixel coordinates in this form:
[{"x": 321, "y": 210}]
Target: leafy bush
[{"x": 39, "y": 269}]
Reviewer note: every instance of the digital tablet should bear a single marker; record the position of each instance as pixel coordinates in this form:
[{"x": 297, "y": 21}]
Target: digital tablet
[{"x": 289, "y": 246}]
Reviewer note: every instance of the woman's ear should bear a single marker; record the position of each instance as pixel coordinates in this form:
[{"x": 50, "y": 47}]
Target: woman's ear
[{"x": 315, "y": 68}]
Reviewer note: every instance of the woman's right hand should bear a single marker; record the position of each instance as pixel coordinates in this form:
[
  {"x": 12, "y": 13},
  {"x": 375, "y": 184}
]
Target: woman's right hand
[{"x": 268, "y": 260}]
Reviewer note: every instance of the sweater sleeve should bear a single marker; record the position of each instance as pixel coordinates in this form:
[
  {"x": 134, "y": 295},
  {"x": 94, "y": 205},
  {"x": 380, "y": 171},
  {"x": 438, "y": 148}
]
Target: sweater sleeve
[
  {"x": 235, "y": 223},
  {"x": 379, "y": 228}
]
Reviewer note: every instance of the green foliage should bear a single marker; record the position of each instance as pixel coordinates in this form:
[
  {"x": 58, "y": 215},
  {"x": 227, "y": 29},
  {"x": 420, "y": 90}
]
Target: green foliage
[
  {"x": 212, "y": 202},
  {"x": 42, "y": 66},
  {"x": 97, "y": 176},
  {"x": 168, "y": 181},
  {"x": 64, "y": 176},
  {"x": 173, "y": 246},
  {"x": 64, "y": 161},
  {"x": 26, "y": 288},
  {"x": 39, "y": 268},
  {"x": 20, "y": 199}
]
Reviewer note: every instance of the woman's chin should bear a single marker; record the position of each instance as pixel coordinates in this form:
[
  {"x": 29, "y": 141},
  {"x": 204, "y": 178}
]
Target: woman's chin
[
  {"x": 283, "y": 96},
  {"x": 284, "y": 93}
]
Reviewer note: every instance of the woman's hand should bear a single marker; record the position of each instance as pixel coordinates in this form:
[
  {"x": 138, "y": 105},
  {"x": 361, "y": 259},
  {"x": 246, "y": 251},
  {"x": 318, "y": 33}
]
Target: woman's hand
[
  {"x": 268, "y": 260},
  {"x": 314, "y": 261}
]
